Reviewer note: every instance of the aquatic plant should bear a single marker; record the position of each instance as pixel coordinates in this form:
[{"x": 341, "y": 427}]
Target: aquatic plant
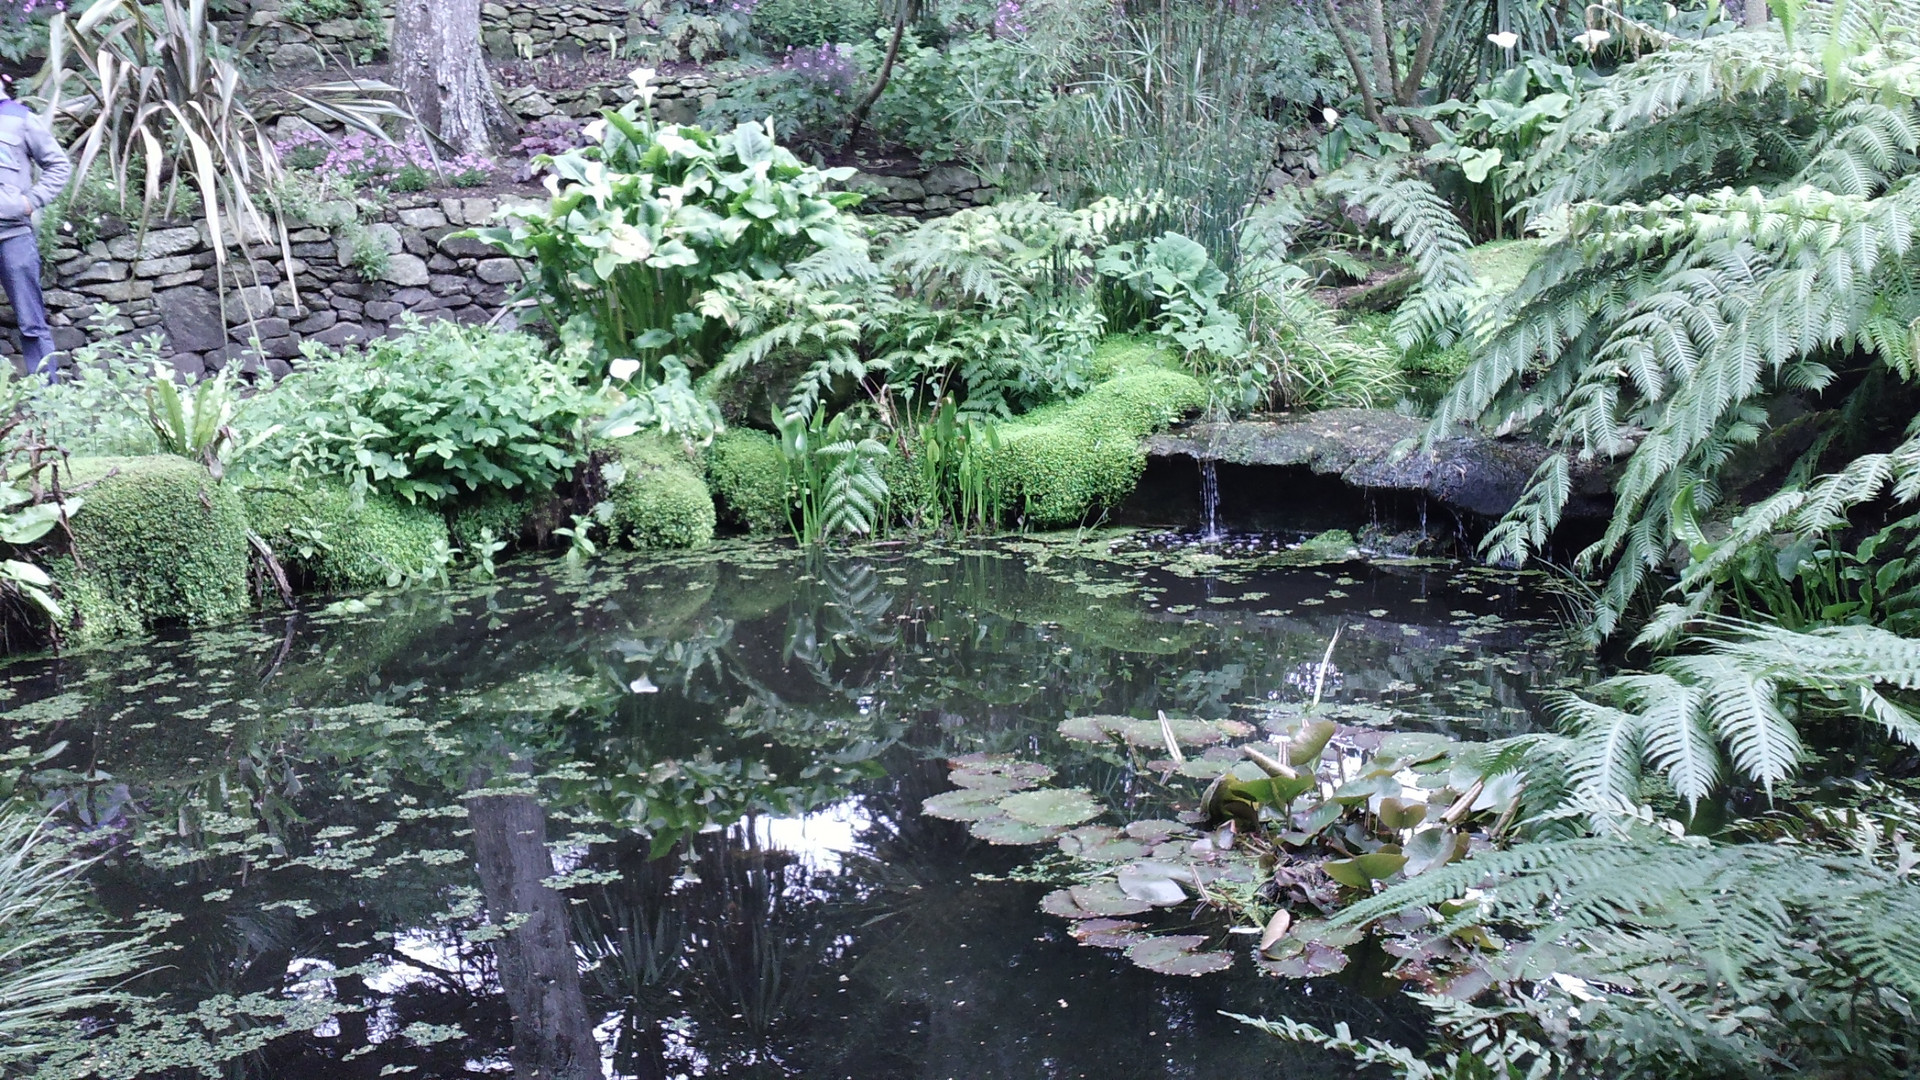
[{"x": 834, "y": 472}]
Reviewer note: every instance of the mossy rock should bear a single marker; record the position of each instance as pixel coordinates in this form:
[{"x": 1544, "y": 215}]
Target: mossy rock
[
  {"x": 749, "y": 479},
  {"x": 159, "y": 540},
  {"x": 506, "y": 515},
  {"x": 655, "y": 495},
  {"x": 1059, "y": 463},
  {"x": 345, "y": 547}
]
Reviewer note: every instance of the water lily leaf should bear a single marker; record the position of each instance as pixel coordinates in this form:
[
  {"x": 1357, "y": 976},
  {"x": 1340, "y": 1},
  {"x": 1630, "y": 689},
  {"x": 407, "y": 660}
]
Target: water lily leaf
[
  {"x": 1087, "y": 927},
  {"x": 1175, "y": 955},
  {"x": 1003, "y": 775},
  {"x": 1309, "y": 960},
  {"x": 1435, "y": 847},
  {"x": 1118, "y": 939},
  {"x": 1155, "y": 830},
  {"x": 1401, "y": 814},
  {"x": 1185, "y": 732},
  {"x": 1061, "y": 902},
  {"x": 966, "y": 804},
  {"x": 1101, "y": 843},
  {"x": 1155, "y": 890},
  {"x": 1202, "y": 768},
  {"x": 1006, "y": 831},
  {"x": 1310, "y": 742},
  {"x": 1104, "y": 898},
  {"x": 1096, "y": 729},
  {"x": 1275, "y": 791},
  {"x": 1362, "y": 871},
  {"x": 1405, "y": 748},
  {"x": 1052, "y": 807}
]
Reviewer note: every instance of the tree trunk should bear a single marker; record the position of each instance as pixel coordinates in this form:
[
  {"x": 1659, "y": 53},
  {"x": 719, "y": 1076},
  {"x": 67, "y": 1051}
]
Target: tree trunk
[
  {"x": 539, "y": 971},
  {"x": 438, "y": 62}
]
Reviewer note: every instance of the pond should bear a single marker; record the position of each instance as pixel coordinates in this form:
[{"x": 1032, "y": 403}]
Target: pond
[{"x": 692, "y": 785}]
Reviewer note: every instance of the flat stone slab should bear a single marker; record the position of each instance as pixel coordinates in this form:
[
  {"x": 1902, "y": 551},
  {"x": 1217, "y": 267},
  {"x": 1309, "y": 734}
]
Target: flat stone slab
[{"x": 1378, "y": 449}]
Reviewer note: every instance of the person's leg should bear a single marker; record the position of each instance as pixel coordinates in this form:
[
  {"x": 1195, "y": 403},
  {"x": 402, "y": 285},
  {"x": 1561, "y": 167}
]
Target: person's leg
[{"x": 20, "y": 274}]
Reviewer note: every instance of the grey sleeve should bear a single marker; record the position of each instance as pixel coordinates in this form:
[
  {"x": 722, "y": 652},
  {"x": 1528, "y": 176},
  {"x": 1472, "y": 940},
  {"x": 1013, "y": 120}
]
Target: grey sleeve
[{"x": 55, "y": 169}]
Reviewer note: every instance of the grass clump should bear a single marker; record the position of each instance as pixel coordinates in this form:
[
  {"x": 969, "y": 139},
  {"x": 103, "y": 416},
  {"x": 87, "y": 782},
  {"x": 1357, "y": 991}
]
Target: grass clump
[
  {"x": 324, "y": 537},
  {"x": 1060, "y": 462},
  {"x": 655, "y": 496},
  {"x": 158, "y": 540},
  {"x": 749, "y": 480}
]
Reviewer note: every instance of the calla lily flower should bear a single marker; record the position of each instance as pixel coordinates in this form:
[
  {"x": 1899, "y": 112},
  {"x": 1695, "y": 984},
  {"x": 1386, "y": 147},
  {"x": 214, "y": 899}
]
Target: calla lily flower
[{"x": 1506, "y": 39}]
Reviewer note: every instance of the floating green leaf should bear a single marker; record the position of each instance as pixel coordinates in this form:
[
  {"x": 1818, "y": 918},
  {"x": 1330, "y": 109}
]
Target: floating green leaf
[
  {"x": 1104, "y": 898},
  {"x": 967, "y": 804},
  {"x": 1052, "y": 807},
  {"x": 1151, "y": 888},
  {"x": 1361, "y": 871},
  {"x": 1175, "y": 955},
  {"x": 1006, "y": 831},
  {"x": 1101, "y": 843},
  {"x": 1002, "y": 775},
  {"x": 1094, "y": 729},
  {"x": 1400, "y": 814}
]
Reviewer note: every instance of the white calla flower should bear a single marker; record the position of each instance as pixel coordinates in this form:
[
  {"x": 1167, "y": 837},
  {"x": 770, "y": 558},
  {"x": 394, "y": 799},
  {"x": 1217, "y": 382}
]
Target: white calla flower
[
  {"x": 1592, "y": 39},
  {"x": 623, "y": 368},
  {"x": 1332, "y": 116},
  {"x": 1506, "y": 39}
]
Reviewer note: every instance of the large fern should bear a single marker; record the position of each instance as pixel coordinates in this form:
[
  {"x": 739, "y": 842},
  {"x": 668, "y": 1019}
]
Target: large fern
[{"x": 1734, "y": 219}]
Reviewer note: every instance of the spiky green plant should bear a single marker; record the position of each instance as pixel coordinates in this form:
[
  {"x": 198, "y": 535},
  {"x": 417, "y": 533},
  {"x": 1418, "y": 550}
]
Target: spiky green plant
[{"x": 1734, "y": 221}]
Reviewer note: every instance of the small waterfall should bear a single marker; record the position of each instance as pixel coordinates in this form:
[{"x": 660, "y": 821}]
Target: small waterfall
[{"x": 1209, "y": 502}]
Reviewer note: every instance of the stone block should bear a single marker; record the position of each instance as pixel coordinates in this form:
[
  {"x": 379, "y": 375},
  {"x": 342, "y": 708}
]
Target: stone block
[
  {"x": 119, "y": 292},
  {"x": 498, "y": 271},
  {"x": 415, "y": 244},
  {"x": 466, "y": 247},
  {"x": 296, "y": 56},
  {"x": 342, "y": 334},
  {"x": 188, "y": 367},
  {"x": 408, "y": 298},
  {"x": 191, "y": 317},
  {"x": 475, "y": 210},
  {"x": 382, "y": 310},
  {"x": 447, "y": 285},
  {"x": 157, "y": 244},
  {"x": 251, "y": 302},
  {"x": 423, "y": 217},
  {"x": 406, "y": 270},
  {"x": 102, "y": 270},
  {"x": 441, "y": 264},
  {"x": 184, "y": 277},
  {"x": 263, "y": 329},
  {"x": 951, "y": 180},
  {"x": 62, "y": 298},
  {"x": 316, "y": 322},
  {"x": 348, "y": 309}
]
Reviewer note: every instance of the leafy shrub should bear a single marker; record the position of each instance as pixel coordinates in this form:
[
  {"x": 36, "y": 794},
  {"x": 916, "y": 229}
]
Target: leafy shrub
[
  {"x": 159, "y": 539},
  {"x": 99, "y": 408},
  {"x": 809, "y": 93},
  {"x": 324, "y": 536},
  {"x": 749, "y": 479},
  {"x": 438, "y": 411},
  {"x": 788, "y": 24},
  {"x": 503, "y": 515},
  {"x": 646, "y": 220},
  {"x": 1060, "y": 462},
  {"x": 655, "y": 497}
]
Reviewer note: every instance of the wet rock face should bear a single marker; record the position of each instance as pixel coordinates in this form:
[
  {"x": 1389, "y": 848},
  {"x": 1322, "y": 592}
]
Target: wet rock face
[{"x": 1377, "y": 450}]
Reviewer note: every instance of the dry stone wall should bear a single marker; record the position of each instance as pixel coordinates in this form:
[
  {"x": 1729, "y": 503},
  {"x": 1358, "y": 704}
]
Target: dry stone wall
[{"x": 166, "y": 283}]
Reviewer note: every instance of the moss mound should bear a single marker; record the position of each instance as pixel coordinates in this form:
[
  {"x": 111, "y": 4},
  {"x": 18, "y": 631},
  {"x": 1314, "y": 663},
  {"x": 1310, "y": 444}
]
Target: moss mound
[
  {"x": 506, "y": 515},
  {"x": 1060, "y": 462},
  {"x": 158, "y": 540},
  {"x": 749, "y": 479},
  {"x": 320, "y": 536},
  {"x": 656, "y": 495}
]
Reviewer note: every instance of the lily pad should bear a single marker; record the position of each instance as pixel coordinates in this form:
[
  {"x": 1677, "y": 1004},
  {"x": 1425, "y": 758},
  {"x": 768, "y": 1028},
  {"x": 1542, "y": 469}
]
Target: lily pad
[
  {"x": 1104, "y": 898},
  {"x": 1151, "y": 888},
  {"x": 1362, "y": 871},
  {"x": 1155, "y": 830},
  {"x": 1185, "y": 732},
  {"x": 1309, "y": 742},
  {"x": 1107, "y": 933},
  {"x": 1094, "y": 729},
  {"x": 1400, "y": 814},
  {"x": 1309, "y": 959},
  {"x": 1061, "y": 902},
  {"x": 1413, "y": 747},
  {"x": 1175, "y": 955},
  {"x": 1003, "y": 776},
  {"x": 1054, "y": 808},
  {"x": 1101, "y": 843},
  {"x": 1435, "y": 847},
  {"x": 1008, "y": 832},
  {"x": 967, "y": 804}
]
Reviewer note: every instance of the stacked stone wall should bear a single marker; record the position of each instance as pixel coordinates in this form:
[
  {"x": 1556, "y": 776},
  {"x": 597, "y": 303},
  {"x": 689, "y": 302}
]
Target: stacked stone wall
[{"x": 165, "y": 282}]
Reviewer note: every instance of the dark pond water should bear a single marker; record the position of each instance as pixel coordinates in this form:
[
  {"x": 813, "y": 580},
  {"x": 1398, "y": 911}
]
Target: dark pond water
[{"x": 689, "y": 789}]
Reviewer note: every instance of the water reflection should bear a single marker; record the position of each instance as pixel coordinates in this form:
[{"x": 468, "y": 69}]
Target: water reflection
[{"x": 662, "y": 819}]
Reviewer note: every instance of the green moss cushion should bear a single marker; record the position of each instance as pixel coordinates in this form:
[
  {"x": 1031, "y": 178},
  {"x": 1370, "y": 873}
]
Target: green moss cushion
[
  {"x": 158, "y": 540},
  {"x": 506, "y": 515},
  {"x": 320, "y": 536},
  {"x": 655, "y": 494},
  {"x": 1059, "y": 463},
  {"x": 749, "y": 480}
]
